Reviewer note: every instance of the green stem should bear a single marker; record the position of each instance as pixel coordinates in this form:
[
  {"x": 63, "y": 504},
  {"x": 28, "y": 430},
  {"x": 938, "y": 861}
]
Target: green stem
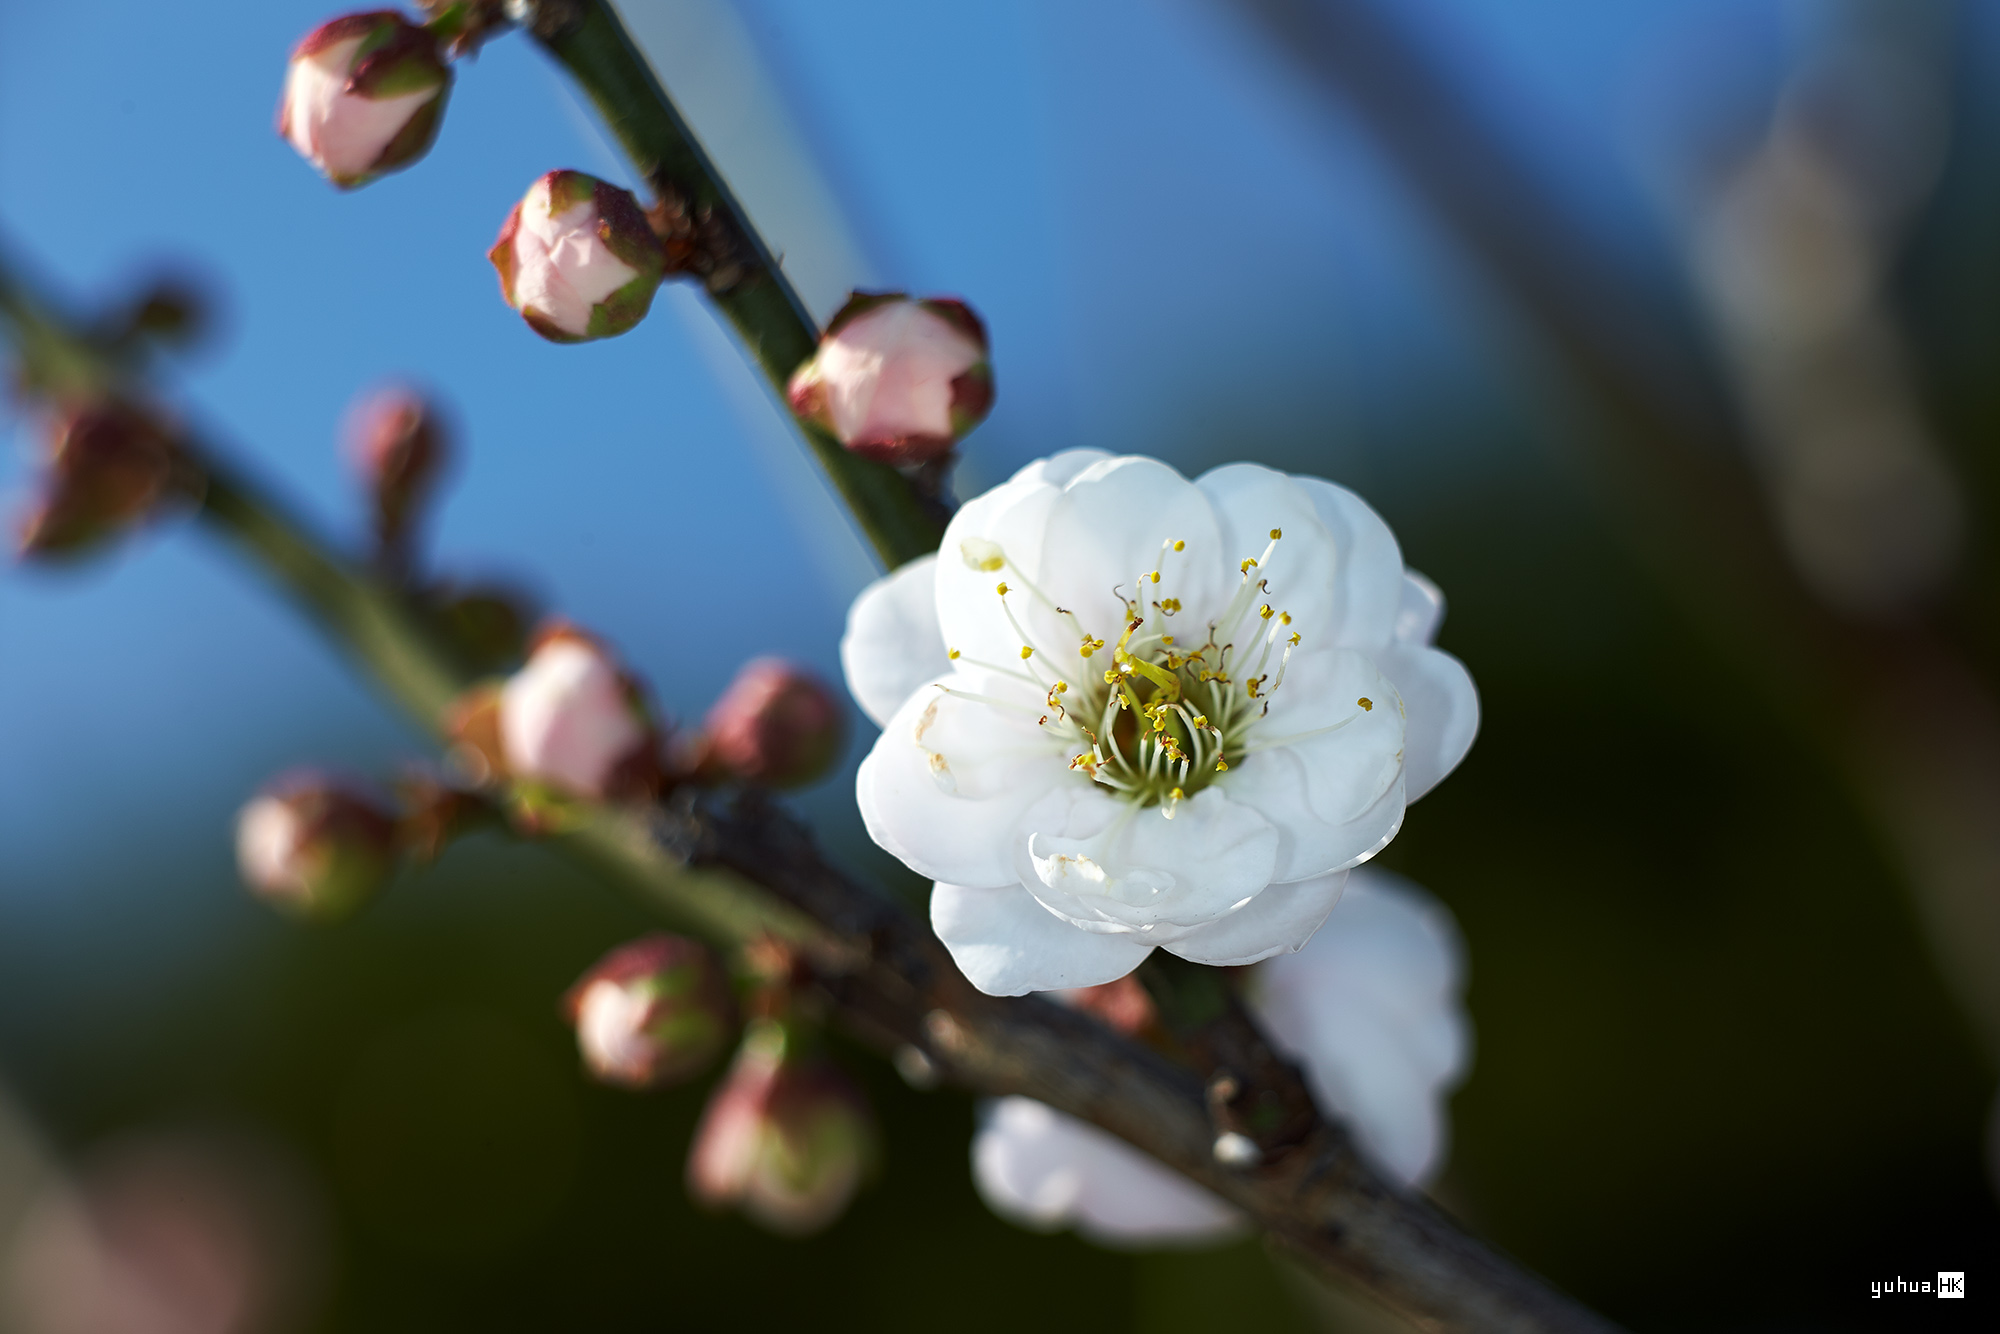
[{"x": 776, "y": 329}]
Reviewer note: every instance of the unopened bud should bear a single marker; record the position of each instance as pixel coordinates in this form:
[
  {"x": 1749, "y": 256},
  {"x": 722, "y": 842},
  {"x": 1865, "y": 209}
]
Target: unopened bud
[
  {"x": 571, "y": 719},
  {"x": 787, "y": 1140},
  {"x": 897, "y": 380},
  {"x": 577, "y": 258},
  {"x": 109, "y": 465},
  {"x": 650, "y": 1013},
  {"x": 777, "y": 725},
  {"x": 364, "y": 96},
  {"x": 1123, "y": 1005},
  {"x": 397, "y": 445},
  {"x": 314, "y": 846}
]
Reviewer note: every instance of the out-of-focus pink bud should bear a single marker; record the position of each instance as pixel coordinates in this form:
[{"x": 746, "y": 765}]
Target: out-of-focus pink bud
[
  {"x": 777, "y": 725},
  {"x": 398, "y": 447},
  {"x": 1123, "y": 1005},
  {"x": 571, "y": 719},
  {"x": 364, "y": 95},
  {"x": 314, "y": 846},
  {"x": 577, "y": 258},
  {"x": 786, "y": 1140},
  {"x": 897, "y": 380},
  {"x": 652, "y": 1012},
  {"x": 109, "y": 465}
]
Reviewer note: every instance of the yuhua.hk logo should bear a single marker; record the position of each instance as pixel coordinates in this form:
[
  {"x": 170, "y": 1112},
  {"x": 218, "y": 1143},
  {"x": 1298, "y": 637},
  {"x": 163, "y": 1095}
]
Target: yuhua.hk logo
[{"x": 1948, "y": 1285}]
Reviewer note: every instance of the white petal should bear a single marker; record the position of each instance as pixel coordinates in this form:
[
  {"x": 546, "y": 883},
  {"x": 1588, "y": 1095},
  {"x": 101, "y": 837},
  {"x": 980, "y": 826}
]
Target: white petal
[
  {"x": 1107, "y": 865},
  {"x": 1280, "y": 920},
  {"x": 1371, "y": 1010},
  {"x": 1273, "y": 783},
  {"x": 946, "y": 782},
  {"x": 1370, "y": 578},
  {"x": 1351, "y": 750},
  {"x": 1043, "y": 1169},
  {"x": 1442, "y": 708},
  {"x": 1105, "y": 533},
  {"x": 1249, "y": 502},
  {"x": 1007, "y": 944},
  {"x": 893, "y": 644},
  {"x": 1421, "y": 611},
  {"x": 1058, "y": 469}
]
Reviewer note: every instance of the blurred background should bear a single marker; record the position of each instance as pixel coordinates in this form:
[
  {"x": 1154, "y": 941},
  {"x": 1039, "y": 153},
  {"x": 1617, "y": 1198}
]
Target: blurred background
[{"x": 1664, "y": 334}]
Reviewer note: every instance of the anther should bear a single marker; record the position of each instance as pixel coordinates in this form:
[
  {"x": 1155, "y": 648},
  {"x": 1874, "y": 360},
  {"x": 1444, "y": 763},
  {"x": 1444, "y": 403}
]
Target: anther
[
  {"x": 954, "y": 655},
  {"x": 1001, "y": 589},
  {"x": 1026, "y": 652},
  {"x": 1367, "y": 704},
  {"x": 1265, "y": 611},
  {"x": 1277, "y": 533},
  {"x": 1180, "y": 546}
]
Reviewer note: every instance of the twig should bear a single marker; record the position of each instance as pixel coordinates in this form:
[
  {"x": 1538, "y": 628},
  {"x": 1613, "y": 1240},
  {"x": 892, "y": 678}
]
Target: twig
[
  {"x": 587, "y": 39},
  {"x": 731, "y": 870}
]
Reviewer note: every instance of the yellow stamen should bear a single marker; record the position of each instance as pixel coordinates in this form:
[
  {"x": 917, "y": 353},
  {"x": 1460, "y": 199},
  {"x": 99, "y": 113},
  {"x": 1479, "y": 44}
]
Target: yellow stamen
[
  {"x": 1367, "y": 704},
  {"x": 1026, "y": 652}
]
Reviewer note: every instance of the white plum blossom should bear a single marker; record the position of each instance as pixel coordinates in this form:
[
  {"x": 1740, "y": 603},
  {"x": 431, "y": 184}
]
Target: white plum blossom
[
  {"x": 1124, "y": 710},
  {"x": 577, "y": 258},
  {"x": 1370, "y": 1010},
  {"x": 364, "y": 95},
  {"x": 897, "y": 380},
  {"x": 571, "y": 719}
]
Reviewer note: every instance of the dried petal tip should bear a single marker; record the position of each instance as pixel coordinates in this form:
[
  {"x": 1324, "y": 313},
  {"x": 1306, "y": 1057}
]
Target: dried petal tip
[
  {"x": 650, "y": 1013},
  {"x": 777, "y": 725},
  {"x": 572, "y": 720},
  {"x": 109, "y": 465},
  {"x": 897, "y": 380},
  {"x": 397, "y": 446},
  {"x": 364, "y": 96},
  {"x": 787, "y": 1140},
  {"x": 577, "y": 258},
  {"x": 314, "y": 846}
]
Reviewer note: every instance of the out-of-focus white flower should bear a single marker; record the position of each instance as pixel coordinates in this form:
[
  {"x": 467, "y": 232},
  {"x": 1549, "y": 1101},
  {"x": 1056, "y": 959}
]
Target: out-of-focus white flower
[
  {"x": 577, "y": 258},
  {"x": 1371, "y": 1011},
  {"x": 787, "y": 1140},
  {"x": 897, "y": 380},
  {"x": 314, "y": 846},
  {"x": 571, "y": 719},
  {"x": 651, "y": 1012},
  {"x": 364, "y": 95},
  {"x": 1124, "y": 710}
]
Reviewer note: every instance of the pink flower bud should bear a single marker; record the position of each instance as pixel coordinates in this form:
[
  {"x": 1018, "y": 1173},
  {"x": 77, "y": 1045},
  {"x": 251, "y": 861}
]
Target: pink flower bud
[
  {"x": 1123, "y": 1005},
  {"x": 577, "y": 258},
  {"x": 397, "y": 446},
  {"x": 109, "y": 465},
  {"x": 364, "y": 95},
  {"x": 787, "y": 1141},
  {"x": 652, "y": 1012},
  {"x": 314, "y": 846},
  {"x": 897, "y": 380},
  {"x": 777, "y": 725},
  {"x": 572, "y": 720}
]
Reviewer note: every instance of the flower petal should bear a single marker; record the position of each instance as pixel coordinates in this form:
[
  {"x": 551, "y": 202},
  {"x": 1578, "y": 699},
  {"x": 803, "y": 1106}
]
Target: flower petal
[
  {"x": 945, "y": 784},
  {"x": 1442, "y": 708},
  {"x": 1007, "y": 944},
  {"x": 1421, "y": 610},
  {"x": 1280, "y": 920},
  {"x": 1105, "y": 534},
  {"x": 1108, "y": 866},
  {"x": 1370, "y": 1010},
  {"x": 893, "y": 645},
  {"x": 1370, "y": 573},
  {"x": 1344, "y": 721},
  {"x": 1273, "y": 783},
  {"x": 1042, "y": 1169},
  {"x": 1249, "y": 502}
]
